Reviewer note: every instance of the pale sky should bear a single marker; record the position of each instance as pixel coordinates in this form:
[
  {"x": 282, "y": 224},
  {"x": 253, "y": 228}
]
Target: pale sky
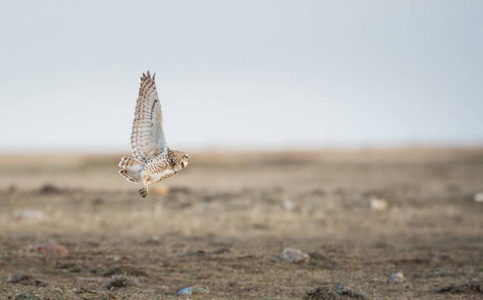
[{"x": 242, "y": 74}]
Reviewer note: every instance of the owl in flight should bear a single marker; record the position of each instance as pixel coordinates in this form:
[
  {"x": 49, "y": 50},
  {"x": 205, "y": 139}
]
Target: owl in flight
[{"x": 153, "y": 161}]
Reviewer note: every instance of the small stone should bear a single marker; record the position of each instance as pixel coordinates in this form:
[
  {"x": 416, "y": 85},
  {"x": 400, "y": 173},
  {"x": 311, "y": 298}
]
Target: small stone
[
  {"x": 28, "y": 214},
  {"x": 478, "y": 198},
  {"x": 288, "y": 205},
  {"x": 396, "y": 278},
  {"x": 49, "y": 248},
  {"x": 294, "y": 256},
  {"x": 154, "y": 239},
  {"x": 378, "y": 204},
  {"x": 193, "y": 291}
]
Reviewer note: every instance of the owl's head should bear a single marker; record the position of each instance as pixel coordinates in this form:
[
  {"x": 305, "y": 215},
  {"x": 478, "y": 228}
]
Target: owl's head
[{"x": 180, "y": 159}]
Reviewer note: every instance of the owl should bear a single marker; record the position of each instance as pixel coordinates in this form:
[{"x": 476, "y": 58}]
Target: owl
[{"x": 152, "y": 160}]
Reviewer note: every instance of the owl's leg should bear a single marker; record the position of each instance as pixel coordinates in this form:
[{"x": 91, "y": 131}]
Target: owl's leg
[{"x": 144, "y": 191}]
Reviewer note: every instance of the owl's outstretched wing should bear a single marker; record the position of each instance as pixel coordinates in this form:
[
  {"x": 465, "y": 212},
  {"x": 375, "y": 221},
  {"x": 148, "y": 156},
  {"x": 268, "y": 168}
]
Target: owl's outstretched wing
[{"x": 147, "y": 138}]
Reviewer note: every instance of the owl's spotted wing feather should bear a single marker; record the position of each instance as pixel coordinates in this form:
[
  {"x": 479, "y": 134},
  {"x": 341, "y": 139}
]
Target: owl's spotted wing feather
[{"x": 147, "y": 138}]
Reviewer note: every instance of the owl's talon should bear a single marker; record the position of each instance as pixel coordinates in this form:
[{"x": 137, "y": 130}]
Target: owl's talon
[{"x": 143, "y": 192}]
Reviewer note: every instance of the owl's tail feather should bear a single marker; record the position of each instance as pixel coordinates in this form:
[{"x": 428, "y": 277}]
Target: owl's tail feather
[{"x": 130, "y": 169}]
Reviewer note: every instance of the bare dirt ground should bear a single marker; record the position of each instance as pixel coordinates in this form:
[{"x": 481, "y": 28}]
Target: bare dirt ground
[{"x": 222, "y": 223}]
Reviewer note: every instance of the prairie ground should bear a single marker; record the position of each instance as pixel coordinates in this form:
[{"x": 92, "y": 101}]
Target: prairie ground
[{"x": 222, "y": 223}]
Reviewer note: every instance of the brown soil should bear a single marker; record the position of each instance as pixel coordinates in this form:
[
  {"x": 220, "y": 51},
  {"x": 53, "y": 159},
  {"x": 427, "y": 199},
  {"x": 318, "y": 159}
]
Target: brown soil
[{"x": 222, "y": 223}]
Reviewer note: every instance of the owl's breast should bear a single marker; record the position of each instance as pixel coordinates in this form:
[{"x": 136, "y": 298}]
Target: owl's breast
[{"x": 158, "y": 169}]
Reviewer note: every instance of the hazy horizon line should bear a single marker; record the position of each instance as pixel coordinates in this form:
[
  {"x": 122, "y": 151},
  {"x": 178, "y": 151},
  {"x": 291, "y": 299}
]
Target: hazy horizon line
[{"x": 225, "y": 148}]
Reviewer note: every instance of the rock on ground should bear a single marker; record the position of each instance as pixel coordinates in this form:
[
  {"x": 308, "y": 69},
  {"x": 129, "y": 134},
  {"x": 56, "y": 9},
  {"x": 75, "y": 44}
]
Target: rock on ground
[
  {"x": 294, "y": 255},
  {"x": 378, "y": 204},
  {"x": 478, "y": 198},
  {"x": 396, "y": 278},
  {"x": 49, "y": 248}
]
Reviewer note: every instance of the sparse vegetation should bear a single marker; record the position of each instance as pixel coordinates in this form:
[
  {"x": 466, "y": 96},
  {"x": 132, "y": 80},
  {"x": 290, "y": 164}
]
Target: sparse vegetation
[{"x": 223, "y": 222}]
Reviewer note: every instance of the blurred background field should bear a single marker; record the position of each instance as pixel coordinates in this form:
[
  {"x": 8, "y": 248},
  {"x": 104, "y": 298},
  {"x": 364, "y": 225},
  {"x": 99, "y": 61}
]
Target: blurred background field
[{"x": 223, "y": 222}]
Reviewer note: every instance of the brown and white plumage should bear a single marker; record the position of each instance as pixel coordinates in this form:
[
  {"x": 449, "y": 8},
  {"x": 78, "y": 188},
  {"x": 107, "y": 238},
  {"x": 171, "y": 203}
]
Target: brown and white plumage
[
  {"x": 153, "y": 161},
  {"x": 147, "y": 137}
]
